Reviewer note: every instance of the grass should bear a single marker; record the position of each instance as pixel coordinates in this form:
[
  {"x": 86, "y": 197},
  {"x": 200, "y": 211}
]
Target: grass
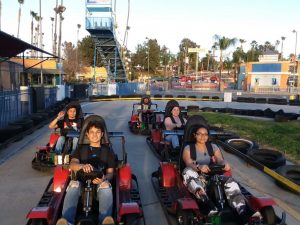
[{"x": 284, "y": 137}]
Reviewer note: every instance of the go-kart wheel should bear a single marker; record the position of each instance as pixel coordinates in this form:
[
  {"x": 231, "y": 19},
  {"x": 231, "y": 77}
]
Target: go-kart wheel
[
  {"x": 38, "y": 222},
  {"x": 268, "y": 214},
  {"x": 131, "y": 219},
  {"x": 185, "y": 217}
]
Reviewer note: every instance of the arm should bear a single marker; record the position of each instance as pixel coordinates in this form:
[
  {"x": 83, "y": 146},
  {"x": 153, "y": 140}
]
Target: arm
[
  {"x": 220, "y": 160},
  {"x": 53, "y": 123},
  {"x": 168, "y": 124},
  {"x": 190, "y": 163}
]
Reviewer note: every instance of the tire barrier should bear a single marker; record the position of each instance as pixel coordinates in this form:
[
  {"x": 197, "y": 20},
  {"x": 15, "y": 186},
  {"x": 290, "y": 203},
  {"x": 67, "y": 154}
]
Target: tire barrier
[
  {"x": 269, "y": 113},
  {"x": 157, "y": 96},
  {"x": 215, "y": 98},
  {"x": 294, "y": 102},
  {"x": 24, "y": 123},
  {"x": 205, "y": 98},
  {"x": 245, "y": 99},
  {"x": 169, "y": 96},
  {"x": 261, "y": 100},
  {"x": 181, "y": 96},
  {"x": 242, "y": 145},
  {"x": 277, "y": 101},
  {"x": 270, "y": 158},
  {"x": 192, "y": 96},
  {"x": 258, "y": 113},
  {"x": 37, "y": 119},
  {"x": 223, "y": 136},
  {"x": 207, "y": 109},
  {"x": 9, "y": 131},
  {"x": 292, "y": 172},
  {"x": 280, "y": 118},
  {"x": 192, "y": 108}
]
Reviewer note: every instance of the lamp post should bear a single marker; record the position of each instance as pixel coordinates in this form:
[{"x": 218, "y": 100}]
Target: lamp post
[
  {"x": 148, "y": 56},
  {"x": 294, "y": 31}
]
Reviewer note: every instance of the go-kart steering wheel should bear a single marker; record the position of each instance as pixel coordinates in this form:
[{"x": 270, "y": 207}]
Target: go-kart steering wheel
[
  {"x": 96, "y": 173},
  {"x": 216, "y": 169}
]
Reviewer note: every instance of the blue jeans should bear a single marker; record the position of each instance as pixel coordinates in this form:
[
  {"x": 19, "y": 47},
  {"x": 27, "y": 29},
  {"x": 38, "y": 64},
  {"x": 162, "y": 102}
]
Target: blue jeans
[
  {"x": 173, "y": 138},
  {"x": 104, "y": 196},
  {"x": 60, "y": 144}
]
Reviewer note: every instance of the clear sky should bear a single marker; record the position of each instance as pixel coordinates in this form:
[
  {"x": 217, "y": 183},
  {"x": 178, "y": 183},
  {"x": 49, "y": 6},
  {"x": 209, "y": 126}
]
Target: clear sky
[{"x": 169, "y": 21}]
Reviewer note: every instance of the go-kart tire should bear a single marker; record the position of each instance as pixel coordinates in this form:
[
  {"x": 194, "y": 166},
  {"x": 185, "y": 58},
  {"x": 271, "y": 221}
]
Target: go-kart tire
[
  {"x": 242, "y": 145},
  {"x": 269, "y": 216},
  {"x": 270, "y": 158},
  {"x": 224, "y": 137},
  {"x": 38, "y": 222},
  {"x": 38, "y": 165},
  {"x": 292, "y": 172},
  {"x": 132, "y": 219},
  {"x": 186, "y": 216}
]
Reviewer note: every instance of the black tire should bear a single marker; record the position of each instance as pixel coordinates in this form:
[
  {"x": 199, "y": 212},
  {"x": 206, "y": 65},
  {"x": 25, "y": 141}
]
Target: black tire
[
  {"x": 207, "y": 109},
  {"x": 24, "y": 123},
  {"x": 205, "y": 98},
  {"x": 270, "y": 158},
  {"x": 280, "y": 118},
  {"x": 181, "y": 96},
  {"x": 185, "y": 217},
  {"x": 292, "y": 172},
  {"x": 9, "y": 132},
  {"x": 226, "y": 136},
  {"x": 192, "y": 108},
  {"x": 132, "y": 219},
  {"x": 38, "y": 222},
  {"x": 242, "y": 145},
  {"x": 192, "y": 96},
  {"x": 157, "y": 96},
  {"x": 169, "y": 96},
  {"x": 269, "y": 216}
]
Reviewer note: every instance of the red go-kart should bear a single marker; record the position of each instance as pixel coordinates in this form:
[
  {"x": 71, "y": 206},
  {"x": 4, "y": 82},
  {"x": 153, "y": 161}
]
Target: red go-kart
[
  {"x": 127, "y": 208},
  {"x": 184, "y": 209}
]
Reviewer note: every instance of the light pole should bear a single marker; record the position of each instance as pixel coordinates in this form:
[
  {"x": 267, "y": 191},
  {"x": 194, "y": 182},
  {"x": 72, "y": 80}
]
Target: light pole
[
  {"x": 148, "y": 56},
  {"x": 294, "y": 31}
]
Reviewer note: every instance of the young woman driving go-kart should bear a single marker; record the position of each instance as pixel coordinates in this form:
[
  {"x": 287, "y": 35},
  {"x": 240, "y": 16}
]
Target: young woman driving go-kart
[{"x": 200, "y": 158}]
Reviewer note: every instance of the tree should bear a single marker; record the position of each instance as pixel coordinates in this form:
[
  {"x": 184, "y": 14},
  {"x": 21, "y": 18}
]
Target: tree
[
  {"x": 185, "y": 44},
  {"x": 70, "y": 65},
  {"x": 165, "y": 58},
  {"x": 238, "y": 56},
  {"x": 223, "y": 43},
  {"x": 86, "y": 52},
  {"x": 19, "y": 16}
]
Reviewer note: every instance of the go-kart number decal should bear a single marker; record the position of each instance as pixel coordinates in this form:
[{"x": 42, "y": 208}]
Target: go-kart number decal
[{"x": 40, "y": 209}]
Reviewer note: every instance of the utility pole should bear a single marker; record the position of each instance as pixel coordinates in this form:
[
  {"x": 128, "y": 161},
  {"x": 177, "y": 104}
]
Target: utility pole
[
  {"x": 196, "y": 50},
  {"x": 41, "y": 42}
]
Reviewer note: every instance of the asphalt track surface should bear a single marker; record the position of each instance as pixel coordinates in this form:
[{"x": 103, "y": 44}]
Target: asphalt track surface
[{"x": 21, "y": 187}]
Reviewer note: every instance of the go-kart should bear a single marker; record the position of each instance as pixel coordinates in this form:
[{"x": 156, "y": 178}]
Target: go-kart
[
  {"x": 156, "y": 141},
  {"x": 45, "y": 157},
  {"x": 142, "y": 116},
  {"x": 127, "y": 208},
  {"x": 184, "y": 208}
]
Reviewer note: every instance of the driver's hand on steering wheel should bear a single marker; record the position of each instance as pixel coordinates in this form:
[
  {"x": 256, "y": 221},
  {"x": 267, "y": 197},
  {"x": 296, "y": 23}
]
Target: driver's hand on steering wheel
[
  {"x": 227, "y": 167},
  {"x": 87, "y": 168},
  {"x": 204, "y": 169},
  {"x": 97, "y": 181}
]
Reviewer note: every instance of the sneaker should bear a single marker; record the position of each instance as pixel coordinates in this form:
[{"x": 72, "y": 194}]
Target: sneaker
[
  {"x": 256, "y": 218},
  {"x": 108, "y": 221},
  {"x": 62, "y": 221},
  {"x": 212, "y": 212}
]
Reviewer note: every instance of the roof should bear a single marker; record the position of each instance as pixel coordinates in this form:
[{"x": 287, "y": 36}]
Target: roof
[{"x": 12, "y": 46}]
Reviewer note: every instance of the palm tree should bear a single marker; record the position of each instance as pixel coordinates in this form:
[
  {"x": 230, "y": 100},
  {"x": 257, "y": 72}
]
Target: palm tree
[
  {"x": 223, "y": 44},
  {"x": 33, "y": 15},
  {"x": 242, "y": 41},
  {"x": 281, "y": 52},
  {"x": 19, "y": 17},
  {"x": 277, "y": 42}
]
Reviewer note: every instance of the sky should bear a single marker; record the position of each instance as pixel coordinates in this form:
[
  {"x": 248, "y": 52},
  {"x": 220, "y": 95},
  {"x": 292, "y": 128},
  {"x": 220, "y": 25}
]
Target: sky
[{"x": 170, "y": 21}]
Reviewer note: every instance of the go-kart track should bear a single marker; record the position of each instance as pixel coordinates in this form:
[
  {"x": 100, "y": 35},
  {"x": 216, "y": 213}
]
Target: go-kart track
[{"x": 21, "y": 186}]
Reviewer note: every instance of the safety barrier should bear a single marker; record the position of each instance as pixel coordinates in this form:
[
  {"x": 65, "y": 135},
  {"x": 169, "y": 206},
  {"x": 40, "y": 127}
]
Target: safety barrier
[{"x": 14, "y": 104}]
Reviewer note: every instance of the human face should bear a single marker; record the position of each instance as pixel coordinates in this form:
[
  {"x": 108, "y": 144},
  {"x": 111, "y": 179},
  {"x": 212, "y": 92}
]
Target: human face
[
  {"x": 94, "y": 136},
  {"x": 146, "y": 100},
  {"x": 175, "y": 111},
  {"x": 201, "y": 135},
  {"x": 71, "y": 113}
]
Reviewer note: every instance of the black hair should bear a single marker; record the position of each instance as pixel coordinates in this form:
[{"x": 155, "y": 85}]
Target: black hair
[
  {"x": 96, "y": 124},
  {"x": 197, "y": 127}
]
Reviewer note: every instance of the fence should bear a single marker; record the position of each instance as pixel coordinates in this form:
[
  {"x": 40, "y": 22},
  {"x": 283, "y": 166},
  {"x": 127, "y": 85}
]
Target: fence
[
  {"x": 14, "y": 104},
  {"x": 118, "y": 89}
]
